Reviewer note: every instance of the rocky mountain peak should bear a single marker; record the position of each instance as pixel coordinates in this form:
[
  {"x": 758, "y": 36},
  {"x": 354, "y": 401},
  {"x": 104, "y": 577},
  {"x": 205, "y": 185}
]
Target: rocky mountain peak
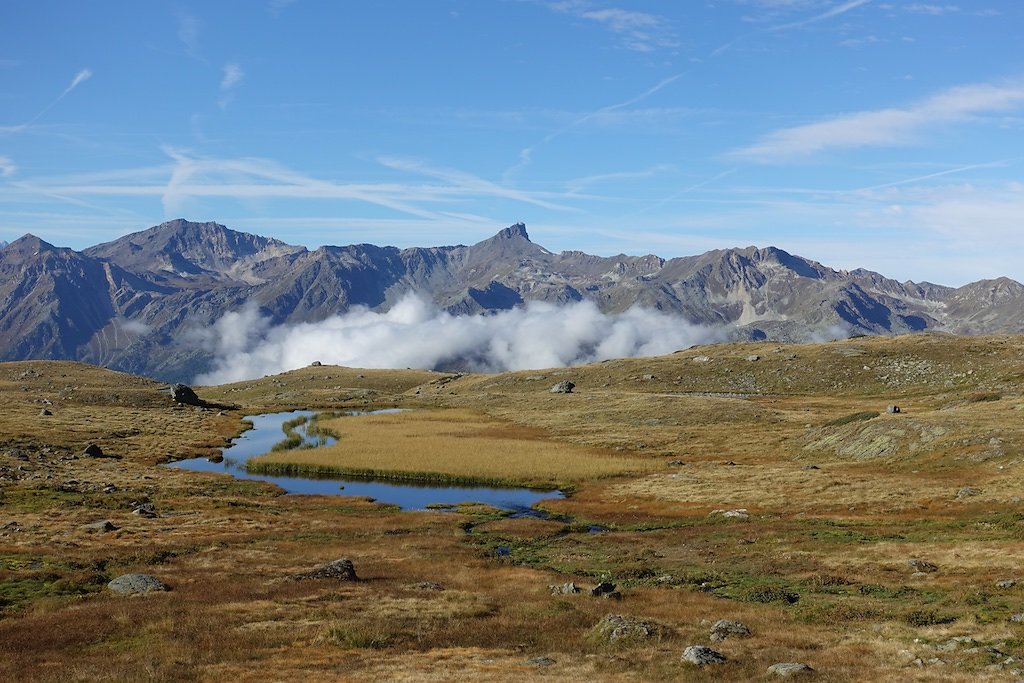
[
  {"x": 28, "y": 245},
  {"x": 188, "y": 249},
  {"x": 516, "y": 230}
]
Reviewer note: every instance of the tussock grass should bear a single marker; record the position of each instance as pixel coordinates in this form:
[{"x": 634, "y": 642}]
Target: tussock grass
[{"x": 455, "y": 446}]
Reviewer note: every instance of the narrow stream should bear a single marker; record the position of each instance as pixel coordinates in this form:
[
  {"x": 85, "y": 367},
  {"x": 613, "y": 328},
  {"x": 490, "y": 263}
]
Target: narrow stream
[{"x": 267, "y": 431}]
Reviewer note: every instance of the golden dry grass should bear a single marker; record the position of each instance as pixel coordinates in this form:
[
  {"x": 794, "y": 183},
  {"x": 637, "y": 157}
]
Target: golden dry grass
[
  {"x": 819, "y": 572},
  {"x": 455, "y": 445}
]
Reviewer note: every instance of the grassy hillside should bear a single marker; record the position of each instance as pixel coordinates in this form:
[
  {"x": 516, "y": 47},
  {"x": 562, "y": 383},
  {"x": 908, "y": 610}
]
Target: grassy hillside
[{"x": 868, "y": 544}]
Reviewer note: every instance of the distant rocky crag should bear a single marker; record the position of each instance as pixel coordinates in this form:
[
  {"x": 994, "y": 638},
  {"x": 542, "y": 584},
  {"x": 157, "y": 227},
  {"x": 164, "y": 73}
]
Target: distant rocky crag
[{"x": 136, "y": 303}]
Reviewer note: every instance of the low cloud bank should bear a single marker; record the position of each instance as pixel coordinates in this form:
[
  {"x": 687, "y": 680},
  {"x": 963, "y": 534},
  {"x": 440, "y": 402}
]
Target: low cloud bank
[{"x": 415, "y": 334}]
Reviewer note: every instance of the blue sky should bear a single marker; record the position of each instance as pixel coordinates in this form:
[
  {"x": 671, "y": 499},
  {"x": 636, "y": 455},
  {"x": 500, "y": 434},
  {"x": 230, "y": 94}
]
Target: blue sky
[{"x": 860, "y": 133}]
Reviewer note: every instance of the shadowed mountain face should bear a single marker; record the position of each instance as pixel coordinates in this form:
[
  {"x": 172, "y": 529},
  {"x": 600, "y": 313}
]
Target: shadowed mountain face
[{"x": 140, "y": 303}]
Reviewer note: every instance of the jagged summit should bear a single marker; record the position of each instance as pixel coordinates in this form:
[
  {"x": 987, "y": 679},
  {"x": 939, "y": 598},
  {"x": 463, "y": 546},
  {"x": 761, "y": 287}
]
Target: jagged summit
[{"x": 513, "y": 231}]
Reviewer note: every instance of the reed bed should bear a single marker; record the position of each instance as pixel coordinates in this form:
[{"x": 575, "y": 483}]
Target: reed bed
[{"x": 448, "y": 446}]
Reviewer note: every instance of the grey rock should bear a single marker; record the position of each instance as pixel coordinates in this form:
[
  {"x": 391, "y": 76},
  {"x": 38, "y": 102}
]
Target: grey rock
[
  {"x": 134, "y": 584},
  {"x": 602, "y": 588},
  {"x": 183, "y": 394},
  {"x": 315, "y": 364},
  {"x": 540, "y": 661},
  {"x": 702, "y": 655},
  {"x": 923, "y": 566},
  {"x": 789, "y": 669},
  {"x": 738, "y": 514},
  {"x": 564, "y": 588},
  {"x": 99, "y": 527},
  {"x": 93, "y": 451},
  {"x": 45, "y": 412},
  {"x": 967, "y": 492},
  {"x": 725, "y": 628},
  {"x": 145, "y": 510},
  {"x": 563, "y": 387},
  {"x": 615, "y": 628},
  {"x": 892, "y": 409},
  {"x": 753, "y": 358},
  {"x": 1006, "y": 583},
  {"x": 1017, "y": 618},
  {"x": 338, "y": 570}
]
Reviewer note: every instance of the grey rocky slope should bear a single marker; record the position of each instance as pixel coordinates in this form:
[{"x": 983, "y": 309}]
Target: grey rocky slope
[{"x": 138, "y": 303}]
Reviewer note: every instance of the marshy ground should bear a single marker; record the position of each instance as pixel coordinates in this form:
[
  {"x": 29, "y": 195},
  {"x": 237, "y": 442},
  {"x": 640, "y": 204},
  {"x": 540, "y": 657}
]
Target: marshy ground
[{"x": 836, "y": 494}]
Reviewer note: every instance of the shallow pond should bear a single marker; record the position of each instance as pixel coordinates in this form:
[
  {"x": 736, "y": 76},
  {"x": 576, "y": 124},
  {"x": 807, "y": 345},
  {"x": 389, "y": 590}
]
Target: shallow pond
[{"x": 267, "y": 431}]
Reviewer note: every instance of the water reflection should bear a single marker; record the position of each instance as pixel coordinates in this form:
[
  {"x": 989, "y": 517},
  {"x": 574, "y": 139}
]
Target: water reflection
[{"x": 267, "y": 431}]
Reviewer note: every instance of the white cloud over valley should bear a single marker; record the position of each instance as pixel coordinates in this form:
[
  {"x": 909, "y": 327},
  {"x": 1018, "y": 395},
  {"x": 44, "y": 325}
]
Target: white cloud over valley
[{"x": 415, "y": 334}]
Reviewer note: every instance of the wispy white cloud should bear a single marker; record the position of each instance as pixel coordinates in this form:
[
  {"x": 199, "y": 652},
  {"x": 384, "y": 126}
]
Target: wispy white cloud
[
  {"x": 189, "y": 28},
  {"x": 526, "y": 154},
  {"x": 7, "y": 167},
  {"x": 884, "y": 127},
  {"x": 232, "y": 78},
  {"x": 190, "y": 178},
  {"x": 81, "y": 77},
  {"x": 934, "y": 10},
  {"x": 637, "y": 31},
  {"x": 828, "y": 14},
  {"x": 278, "y": 6},
  {"x": 579, "y": 184},
  {"x": 233, "y": 75},
  {"x": 938, "y": 174},
  {"x": 790, "y": 5},
  {"x": 471, "y": 183}
]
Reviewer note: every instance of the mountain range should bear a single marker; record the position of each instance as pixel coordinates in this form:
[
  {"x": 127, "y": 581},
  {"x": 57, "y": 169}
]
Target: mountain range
[{"x": 137, "y": 303}]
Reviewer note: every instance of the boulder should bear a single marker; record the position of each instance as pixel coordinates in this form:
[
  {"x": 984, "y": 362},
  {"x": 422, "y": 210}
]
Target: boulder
[
  {"x": 564, "y": 588},
  {"x": 1006, "y": 583},
  {"x": 789, "y": 669},
  {"x": 338, "y": 570},
  {"x": 892, "y": 409},
  {"x": 144, "y": 510},
  {"x": 923, "y": 566},
  {"x": 135, "y": 584},
  {"x": 702, "y": 655},
  {"x": 315, "y": 364},
  {"x": 185, "y": 395},
  {"x": 967, "y": 492},
  {"x": 99, "y": 527},
  {"x": 739, "y": 513},
  {"x": 724, "y": 628},
  {"x": 93, "y": 451},
  {"x": 563, "y": 387},
  {"x": 44, "y": 412},
  {"x": 615, "y": 628},
  {"x": 604, "y": 589}
]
